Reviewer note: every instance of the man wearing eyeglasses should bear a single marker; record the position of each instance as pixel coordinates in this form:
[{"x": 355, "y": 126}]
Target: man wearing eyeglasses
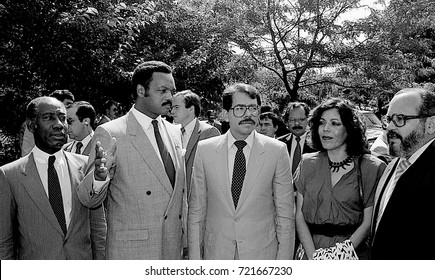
[
  {"x": 296, "y": 117},
  {"x": 404, "y": 196},
  {"x": 241, "y": 203}
]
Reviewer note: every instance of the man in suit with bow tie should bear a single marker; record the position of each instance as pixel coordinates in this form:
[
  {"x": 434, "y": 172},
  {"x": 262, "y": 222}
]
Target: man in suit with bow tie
[
  {"x": 296, "y": 117},
  {"x": 40, "y": 214},
  {"x": 241, "y": 202},
  {"x": 139, "y": 169},
  {"x": 403, "y": 209},
  {"x": 80, "y": 117}
]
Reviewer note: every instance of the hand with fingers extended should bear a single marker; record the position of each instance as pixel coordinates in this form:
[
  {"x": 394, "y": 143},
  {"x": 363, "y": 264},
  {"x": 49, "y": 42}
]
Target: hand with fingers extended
[{"x": 104, "y": 160}]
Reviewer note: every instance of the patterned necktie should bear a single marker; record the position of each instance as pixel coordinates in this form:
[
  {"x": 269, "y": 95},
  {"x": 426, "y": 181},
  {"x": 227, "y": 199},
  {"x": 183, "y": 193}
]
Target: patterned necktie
[
  {"x": 296, "y": 155},
  {"x": 183, "y": 130},
  {"x": 79, "y": 146},
  {"x": 55, "y": 194},
  {"x": 401, "y": 168},
  {"x": 166, "y": 157},
  {"x": 239, "y": 172}
]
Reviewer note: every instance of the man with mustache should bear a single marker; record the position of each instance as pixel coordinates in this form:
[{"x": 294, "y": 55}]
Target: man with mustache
[
  {"x": 404, "y": 196},
  {"x": 241, "y": 202},
  {"x": 296, "y": 117},
  {"x": 138, "y": 157},
  {"x": 41, "y": 217}
]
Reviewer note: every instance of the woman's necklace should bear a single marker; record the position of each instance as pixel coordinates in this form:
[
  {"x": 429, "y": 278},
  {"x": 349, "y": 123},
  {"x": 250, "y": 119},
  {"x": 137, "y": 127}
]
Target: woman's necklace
[{"x": 335, "y": 166}]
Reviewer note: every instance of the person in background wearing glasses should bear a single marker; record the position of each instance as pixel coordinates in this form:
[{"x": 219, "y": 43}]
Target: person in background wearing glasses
[
  {"x": 403, "y": 212},
  {"x": 110, "y": 112},
  {"x": 241, "y": 202},
  {"x": 297, "y": 143}
]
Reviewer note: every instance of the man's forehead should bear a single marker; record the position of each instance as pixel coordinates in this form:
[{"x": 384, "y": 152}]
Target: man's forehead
[{"x": 405, "y": 103}]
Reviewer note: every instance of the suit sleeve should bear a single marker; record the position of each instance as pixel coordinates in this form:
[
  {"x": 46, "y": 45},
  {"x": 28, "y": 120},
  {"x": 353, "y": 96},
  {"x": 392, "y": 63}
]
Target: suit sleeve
[
  {"x": 284, "y": 205},
  {"x": 7, "y": 218},
  {"x": 98, "y": 233},
  {"x": 197, "y": 208},
  {"x": 85, "y": 189},
  {"x": 213, "y": 132}
]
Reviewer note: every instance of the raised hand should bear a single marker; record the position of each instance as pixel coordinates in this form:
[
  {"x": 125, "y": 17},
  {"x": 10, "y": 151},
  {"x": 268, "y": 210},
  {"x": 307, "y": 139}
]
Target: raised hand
[{"x": 104, "y": 160}]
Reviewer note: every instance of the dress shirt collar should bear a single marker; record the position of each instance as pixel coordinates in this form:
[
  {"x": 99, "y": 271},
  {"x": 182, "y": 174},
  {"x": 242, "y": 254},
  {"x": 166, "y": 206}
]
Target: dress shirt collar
[
  {"x": 249, "y": 140},
  {"x": 42, "y": 156},
  {"x": 143, "y": 119},
  {"x": 190, "y": 126}
]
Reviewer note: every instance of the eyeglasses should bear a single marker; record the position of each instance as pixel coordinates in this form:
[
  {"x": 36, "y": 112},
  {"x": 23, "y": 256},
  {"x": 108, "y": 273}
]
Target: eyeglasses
[
  {"x": 297, "y": 120},
  {"x": 399, "y": 120},
  {"x": 240, "y": 110}
]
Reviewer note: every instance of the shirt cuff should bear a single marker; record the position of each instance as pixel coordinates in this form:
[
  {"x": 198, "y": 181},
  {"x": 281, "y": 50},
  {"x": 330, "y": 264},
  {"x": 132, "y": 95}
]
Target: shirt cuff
[{"x": 98, "y": 186}]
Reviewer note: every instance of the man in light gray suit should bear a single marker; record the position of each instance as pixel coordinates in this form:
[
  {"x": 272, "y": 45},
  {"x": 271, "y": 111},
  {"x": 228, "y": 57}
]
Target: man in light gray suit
[
  {"x": 241, "y": 203},
  {"x": 40, "y": 214},
  {"x": 138, "y": 167}
]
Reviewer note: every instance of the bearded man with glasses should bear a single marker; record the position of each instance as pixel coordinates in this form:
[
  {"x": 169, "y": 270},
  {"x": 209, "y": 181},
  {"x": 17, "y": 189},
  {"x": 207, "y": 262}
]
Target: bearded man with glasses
[
  {"x": 241, "y": 202},
  {"x": 404, "y": 196}
]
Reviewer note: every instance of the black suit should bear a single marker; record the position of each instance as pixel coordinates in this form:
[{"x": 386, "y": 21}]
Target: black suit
[
  {"x": 404, "y": 231},
  {"x": 288, "y": 138}
]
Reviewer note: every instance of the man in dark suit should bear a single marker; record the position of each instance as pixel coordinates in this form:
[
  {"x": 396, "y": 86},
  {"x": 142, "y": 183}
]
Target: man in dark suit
[
  {"x": 80, "y": 117},
  {"x": 403, "y": 210},
  {"x": 40, "y": 214},
  {"x": 297, "y": 141}
]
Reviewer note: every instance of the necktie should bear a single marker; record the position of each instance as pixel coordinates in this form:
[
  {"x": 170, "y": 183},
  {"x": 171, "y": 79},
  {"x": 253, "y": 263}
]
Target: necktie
[
  {"x": 166, "y": 157},
  {"x": 239, "y": 172},
  {"x": 183, "y": 130},
  {"x": 79, "y": 146},
  {"x": 296, "y": 155},
  {"x": 401, "y": 168},
  {"x": 55, "y": 194}
]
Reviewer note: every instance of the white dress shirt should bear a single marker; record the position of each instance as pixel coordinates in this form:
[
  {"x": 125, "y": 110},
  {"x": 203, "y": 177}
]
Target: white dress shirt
[
  {"x": 232, "y": 149},
  {"x": 188, "y": 132},
  {"x": 145, "y": 123},
  {"x": 61, "y": 166},
  {"x": 85, "y": 143}
]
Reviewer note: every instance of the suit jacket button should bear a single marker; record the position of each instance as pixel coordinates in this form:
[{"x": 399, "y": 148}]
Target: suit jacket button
[
  {"x": 166, "y": 217},
  {"x": 148, "y": 193},
  {"x": 183, "y": 190},
  {"x": 179, "y": 216}
]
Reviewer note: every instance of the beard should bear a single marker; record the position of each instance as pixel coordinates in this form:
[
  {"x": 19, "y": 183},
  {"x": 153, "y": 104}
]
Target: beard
[{"x": 408, "y": 144}]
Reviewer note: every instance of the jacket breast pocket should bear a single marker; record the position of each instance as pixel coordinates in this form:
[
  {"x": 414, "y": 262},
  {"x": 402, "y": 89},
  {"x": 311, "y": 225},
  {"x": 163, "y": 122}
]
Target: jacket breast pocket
[{"x": 132, "y": 236}]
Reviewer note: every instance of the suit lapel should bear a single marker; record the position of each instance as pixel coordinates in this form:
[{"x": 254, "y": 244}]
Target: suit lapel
[
  {"x": 193, "y": 140},
  {"x": 221, "y": 168},
  {"x": 145, "y": 149},
  {"x": 253, "y": 168},
  {"x": 385, "y": 179},
  {"x": 32, "y": 183},
  {"x": 75, "y": 174}
]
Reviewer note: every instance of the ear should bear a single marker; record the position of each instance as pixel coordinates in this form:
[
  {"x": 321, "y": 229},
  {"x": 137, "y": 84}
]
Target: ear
[
  {"x": 430, "y": 125},
  {"x": 140, "y": 90},
  {"x": 87, "y": 121},
  {"x": 225, "y": 114},
  {"x": 31, "y": 125}
]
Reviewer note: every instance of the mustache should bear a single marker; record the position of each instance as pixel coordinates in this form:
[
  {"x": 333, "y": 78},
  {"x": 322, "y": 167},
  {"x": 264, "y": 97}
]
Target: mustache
[
  {"x": 297, "y": 127},
  {"x": 167, "y": 102},
  {"x": 393, "y": 135},
  {"x": 249, "y": 120}
]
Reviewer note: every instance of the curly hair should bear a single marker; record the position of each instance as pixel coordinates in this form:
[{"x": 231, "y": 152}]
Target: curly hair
[{"x": 351, "y": 119}]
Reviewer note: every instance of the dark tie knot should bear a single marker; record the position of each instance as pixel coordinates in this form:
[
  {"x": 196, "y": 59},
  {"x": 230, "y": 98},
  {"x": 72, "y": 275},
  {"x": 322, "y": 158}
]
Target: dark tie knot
[
  {"x": 240, "y": 144},
  {"x": 155, "y": 124},
  {"x": 298, "y": 138},
  {"x": 51, "y": 160},
  {"x": 183, "y": 130},
  {"x": 79, "y": 145}
]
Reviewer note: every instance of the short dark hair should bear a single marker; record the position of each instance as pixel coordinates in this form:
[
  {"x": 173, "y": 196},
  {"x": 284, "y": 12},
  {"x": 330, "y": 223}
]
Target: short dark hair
[
  {"x": 227, "y": 98},
  {"x": 143, "y": 74},
  {"x": 294, "y": 105},
  {"x": 191, "y": 99},
  {"x": 109, "y": 103},
  {"x": 271, "y": 116},
  {"x": 62, "y": 94},
  {"x": 85, "y": 110},
  {"x": 351, "y": 119}
]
